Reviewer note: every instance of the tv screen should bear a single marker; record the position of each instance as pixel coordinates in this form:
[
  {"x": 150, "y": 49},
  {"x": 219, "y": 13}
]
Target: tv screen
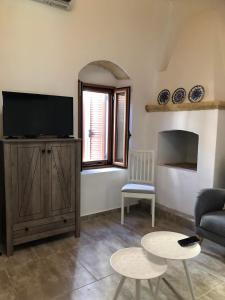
[{"x": 33, "y": 115}]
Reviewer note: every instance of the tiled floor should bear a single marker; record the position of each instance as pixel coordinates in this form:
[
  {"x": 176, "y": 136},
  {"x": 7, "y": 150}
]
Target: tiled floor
[{"x": 78, "y": 269}]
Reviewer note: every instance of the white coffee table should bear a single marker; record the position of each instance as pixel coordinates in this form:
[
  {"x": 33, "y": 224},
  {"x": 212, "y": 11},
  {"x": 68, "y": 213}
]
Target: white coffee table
[
  {"x": 164, "y": 244},
  {"x": 138, "y": 264}
]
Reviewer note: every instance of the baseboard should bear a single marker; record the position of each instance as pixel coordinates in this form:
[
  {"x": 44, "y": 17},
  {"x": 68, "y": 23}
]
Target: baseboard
[
  {"x": 161, "y": 212},
  {"x": 101, "y": 213},
  {"x": 175, "y": 216}
]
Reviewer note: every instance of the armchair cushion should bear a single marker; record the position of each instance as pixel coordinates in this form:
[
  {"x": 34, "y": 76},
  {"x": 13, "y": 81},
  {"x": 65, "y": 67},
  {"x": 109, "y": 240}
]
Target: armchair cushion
[
  {"x": 138, "y": 188},
  {"x": 214, "y": 222},
  {"x": 209, "y": 200}
]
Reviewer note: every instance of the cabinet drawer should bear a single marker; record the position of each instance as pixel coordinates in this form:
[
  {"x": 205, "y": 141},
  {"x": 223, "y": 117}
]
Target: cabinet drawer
[
  {"x": 28, "y": 232},
  {"x": 45, "y": 221}
]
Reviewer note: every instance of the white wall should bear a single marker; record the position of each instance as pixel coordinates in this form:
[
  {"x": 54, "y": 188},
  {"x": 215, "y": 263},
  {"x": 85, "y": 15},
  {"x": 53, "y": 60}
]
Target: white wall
[
  {"x": 178, "y": 188},
  {"x": 194, "y": 53},
  {"x": 101, "y": 191},
  {"x": 192, "y": 60}
]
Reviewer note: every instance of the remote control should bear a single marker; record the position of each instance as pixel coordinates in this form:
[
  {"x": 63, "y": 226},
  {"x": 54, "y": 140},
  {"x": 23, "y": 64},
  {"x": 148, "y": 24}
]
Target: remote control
[{"x": 188, "y": 241}]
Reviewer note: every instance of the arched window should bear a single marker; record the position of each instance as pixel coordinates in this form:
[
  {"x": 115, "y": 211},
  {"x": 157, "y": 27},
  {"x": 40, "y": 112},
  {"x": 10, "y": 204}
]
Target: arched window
[{"x": 104, "y": 119}]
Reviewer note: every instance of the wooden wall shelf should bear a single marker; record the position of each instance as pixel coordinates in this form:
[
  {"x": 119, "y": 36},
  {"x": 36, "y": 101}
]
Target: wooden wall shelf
[{"x": 185, "y": 106}]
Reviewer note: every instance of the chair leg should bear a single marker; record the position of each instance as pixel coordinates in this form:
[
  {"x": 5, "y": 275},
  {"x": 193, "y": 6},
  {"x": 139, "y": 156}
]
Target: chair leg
[
  {"x": 122, "y": 210},
  {"x": 189, "y": 281},
  {"x": 157, "y": 288},
  {"x": 138, "y": 289},
  {"x": 151, "y": 287},
  {"x": 153, "y": 211}
]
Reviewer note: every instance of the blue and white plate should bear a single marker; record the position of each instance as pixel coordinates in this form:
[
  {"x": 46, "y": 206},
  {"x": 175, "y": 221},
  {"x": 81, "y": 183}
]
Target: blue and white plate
[
  {"x": 179, "y": 96},
  {"x": 164, "y": 97},
  {"x": 196, "y": 94}
]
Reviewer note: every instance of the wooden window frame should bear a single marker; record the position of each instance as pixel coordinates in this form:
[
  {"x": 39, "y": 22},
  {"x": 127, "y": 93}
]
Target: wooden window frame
[
  {"x": 111, "y": 136},
  {"x": 123, "y": 164}
]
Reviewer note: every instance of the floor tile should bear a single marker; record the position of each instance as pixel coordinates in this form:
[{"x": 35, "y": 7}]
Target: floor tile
[
  {"x": 217, "y": 293},
  {"x": 95, "y": 258},
  {"x": 6, "y": 289}
]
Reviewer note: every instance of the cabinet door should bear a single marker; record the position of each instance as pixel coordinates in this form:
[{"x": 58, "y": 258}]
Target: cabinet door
[
  {"x": 27, "y": 165},
  {"x": 61, "y": 165}
]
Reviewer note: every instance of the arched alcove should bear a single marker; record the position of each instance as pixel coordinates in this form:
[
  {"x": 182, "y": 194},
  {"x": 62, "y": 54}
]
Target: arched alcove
[
  {"x": 114, "y": 69},
  {"x": 178, "y": 148},
  {"x": 104, "y": 108}
]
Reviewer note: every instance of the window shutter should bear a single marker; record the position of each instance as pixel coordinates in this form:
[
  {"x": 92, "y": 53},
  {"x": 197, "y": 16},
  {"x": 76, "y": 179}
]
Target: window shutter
[
  {"x": 98, "y": 129},
  {"x": 121, "y": 126}
]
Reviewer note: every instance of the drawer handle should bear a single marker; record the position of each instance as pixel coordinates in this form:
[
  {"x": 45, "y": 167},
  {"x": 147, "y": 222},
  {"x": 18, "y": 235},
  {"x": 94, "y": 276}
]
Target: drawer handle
[
  {"x": 26, "y": 229},
  {"x": 65, "y": 221}
]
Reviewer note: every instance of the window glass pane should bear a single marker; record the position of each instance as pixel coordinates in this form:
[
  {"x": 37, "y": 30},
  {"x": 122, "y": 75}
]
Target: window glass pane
[
  {"x": 120, "y": 126},
  {"x": 95, "y": 126}
]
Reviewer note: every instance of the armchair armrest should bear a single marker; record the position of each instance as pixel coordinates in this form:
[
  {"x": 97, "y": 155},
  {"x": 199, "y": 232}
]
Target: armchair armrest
[{"x": 209, "y": 200}]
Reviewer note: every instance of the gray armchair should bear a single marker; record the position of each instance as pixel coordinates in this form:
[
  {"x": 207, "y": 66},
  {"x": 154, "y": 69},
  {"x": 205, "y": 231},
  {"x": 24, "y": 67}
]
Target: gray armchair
[{"x": 210, "y": 215}]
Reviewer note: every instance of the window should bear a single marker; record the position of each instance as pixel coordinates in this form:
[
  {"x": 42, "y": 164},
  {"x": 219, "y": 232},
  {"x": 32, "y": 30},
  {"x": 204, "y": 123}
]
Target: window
[{"x": 104, "y": 125}]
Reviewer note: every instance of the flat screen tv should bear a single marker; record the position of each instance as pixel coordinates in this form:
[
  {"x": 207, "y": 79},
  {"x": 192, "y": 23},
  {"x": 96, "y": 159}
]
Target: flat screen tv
[{"x": 34, "y": 115}]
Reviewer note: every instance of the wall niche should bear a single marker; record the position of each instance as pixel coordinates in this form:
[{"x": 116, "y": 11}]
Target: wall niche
[{"x": 178, "y": 148}]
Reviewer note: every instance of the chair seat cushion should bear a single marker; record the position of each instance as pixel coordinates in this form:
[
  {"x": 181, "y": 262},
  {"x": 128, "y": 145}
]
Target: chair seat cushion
[
  {"x": 138, "y": 188},
  {"x": 214, "y": 222}
]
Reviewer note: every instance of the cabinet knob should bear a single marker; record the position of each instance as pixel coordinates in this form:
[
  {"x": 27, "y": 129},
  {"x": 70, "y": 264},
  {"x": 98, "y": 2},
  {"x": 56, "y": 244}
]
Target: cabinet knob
[
  {"x": 65, "y": 221},
  {"x": 49, "y": 151},
  {"x": 43, "y": 150},
  {"x": 26, "y": 229}
]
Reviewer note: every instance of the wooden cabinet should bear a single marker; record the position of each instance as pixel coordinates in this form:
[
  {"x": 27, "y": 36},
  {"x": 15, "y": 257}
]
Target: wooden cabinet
[{"x": 41, "y": 189}]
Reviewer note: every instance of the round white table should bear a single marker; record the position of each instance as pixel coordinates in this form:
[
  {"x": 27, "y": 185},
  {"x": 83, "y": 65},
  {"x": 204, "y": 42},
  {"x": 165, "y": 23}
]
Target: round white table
[
  {"x": 136, "y": 263},
  {"x": 164, "y": 244}
]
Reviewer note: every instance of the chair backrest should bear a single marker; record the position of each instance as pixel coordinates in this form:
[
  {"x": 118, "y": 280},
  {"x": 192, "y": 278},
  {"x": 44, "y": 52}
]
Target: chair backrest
[{"x": 141, "y": 166}]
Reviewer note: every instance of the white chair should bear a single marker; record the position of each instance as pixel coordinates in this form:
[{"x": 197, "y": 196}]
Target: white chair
[{"x": 140, "y": 180}]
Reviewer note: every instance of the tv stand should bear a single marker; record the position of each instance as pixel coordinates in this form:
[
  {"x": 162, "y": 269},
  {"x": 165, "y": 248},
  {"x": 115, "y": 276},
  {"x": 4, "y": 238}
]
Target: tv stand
[{"x": 40, "y": 189}]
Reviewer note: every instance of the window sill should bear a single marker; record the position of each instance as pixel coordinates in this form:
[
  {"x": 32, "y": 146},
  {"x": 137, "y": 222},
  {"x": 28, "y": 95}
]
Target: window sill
[{"x": 102, "y": 170}]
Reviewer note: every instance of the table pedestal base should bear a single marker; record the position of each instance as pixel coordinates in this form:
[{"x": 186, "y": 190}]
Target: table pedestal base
[{"x": 189, "y": 280}]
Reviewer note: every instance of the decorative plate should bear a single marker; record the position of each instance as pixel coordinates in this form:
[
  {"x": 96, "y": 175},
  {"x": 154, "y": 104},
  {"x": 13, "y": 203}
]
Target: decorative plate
[
  {"x": 164, "y": 97},
  {"x": 179, "y": 96},
  {"x": 196, "y": 94}
]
